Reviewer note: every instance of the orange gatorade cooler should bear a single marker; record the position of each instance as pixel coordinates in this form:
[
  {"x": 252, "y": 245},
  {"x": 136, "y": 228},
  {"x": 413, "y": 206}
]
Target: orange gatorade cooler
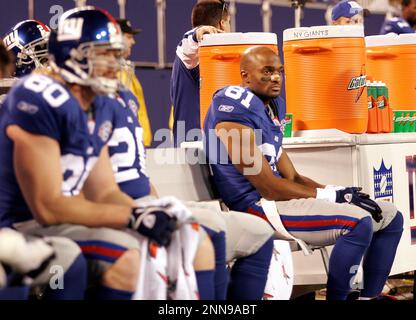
[
  {"x": 391, "y": 58},
  {"x": 325, "y": 77},
  {"x": 219, "y": 61}
]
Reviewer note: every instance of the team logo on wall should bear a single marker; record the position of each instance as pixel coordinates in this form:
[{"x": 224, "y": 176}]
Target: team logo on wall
[{"x": 383, "y": 182}]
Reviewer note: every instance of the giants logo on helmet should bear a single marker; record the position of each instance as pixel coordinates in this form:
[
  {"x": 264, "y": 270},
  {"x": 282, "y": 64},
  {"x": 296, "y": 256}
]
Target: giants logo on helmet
[
  {"x": 11, "y": 40},
  {"x": 70, "y": 29}
]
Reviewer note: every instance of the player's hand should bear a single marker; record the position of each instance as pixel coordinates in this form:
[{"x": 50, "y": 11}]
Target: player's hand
[
  {"x": 354, "y": 196},
  {"x": 205, "y": 30},
  {"x": 24, "y": 256},
  {"x": 153, "y": 222}
]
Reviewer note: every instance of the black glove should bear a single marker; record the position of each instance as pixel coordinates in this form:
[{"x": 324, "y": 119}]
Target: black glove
[
  {"x": 153, "y": 222},
  {"x": 355, "y": 196}
]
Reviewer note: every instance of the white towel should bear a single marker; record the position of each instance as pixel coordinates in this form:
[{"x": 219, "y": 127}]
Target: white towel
[
  {"x": 280, "y": 278},
  {"x": 168, "y": 273}
]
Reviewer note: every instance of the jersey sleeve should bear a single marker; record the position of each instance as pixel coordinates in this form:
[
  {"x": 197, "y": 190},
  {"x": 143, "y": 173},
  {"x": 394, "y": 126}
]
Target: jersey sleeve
[
  {"x": 32, "y": 113},
  {"x": 229, "y": 110},
  {"x": 187, "y": 50}
]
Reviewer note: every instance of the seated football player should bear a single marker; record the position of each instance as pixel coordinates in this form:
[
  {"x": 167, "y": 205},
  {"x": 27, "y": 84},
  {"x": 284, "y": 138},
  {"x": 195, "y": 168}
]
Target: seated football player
[
  {"x": 234, "y": 235},
  {"x": 56, "y": 174},
  {"x": 27, "y": 260},
  {"x": 244, "y": 133}
]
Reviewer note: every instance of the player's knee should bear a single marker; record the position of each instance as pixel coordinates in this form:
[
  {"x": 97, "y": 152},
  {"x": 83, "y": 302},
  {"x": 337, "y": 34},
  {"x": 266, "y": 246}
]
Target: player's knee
[
  {"x": 124, "y": 273},
  {"x": 399, "y": 221},
  {"x": 396, "y": 223},
  {"x": 255, "y": 226},
  {"x": 78, "y": 269},
  {"x": 389, "y": 213},
  {"x": 205, "y": 255},
  {"x": 67, "y": 247},
  {"x": 363, "y": 231},
  {"x": 209, "y": 218},
  {"x": 389, "y": 216},
  {"x": 66, "y": 253}
]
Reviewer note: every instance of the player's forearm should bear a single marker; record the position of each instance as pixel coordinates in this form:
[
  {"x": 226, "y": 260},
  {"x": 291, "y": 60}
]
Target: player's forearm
[
  {"x": 78, "y": 210},
  {"x": 117, "y": 197},
  {"x": 281, "y": 189},
  {"x": 308, "y": 182}
]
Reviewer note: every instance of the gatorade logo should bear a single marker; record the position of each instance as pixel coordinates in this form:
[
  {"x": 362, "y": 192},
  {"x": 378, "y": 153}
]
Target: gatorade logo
[{"x": 357, "y": 82}]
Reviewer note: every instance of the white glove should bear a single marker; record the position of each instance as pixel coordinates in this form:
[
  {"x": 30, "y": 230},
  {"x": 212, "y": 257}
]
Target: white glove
[
  {"x": 21, "y": 255},
  {"x": 334, "y": 187},
  {"x": 326, "y": 194}
]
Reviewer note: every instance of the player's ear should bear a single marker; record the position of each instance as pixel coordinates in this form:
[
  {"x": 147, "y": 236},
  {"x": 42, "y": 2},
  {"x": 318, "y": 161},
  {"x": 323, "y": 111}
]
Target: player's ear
[{"x": 244, "y": 76}]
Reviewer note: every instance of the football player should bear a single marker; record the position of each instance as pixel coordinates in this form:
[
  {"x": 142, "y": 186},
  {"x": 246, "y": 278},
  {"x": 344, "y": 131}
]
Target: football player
[
  {"x": 128, "y": 158},
  {"x": 56, "y": 173},
  {"x": 27, "y": 261},
  {"x": 244, "y": 133},
  {"x": 28, "y": 42},
  {"x": 234, "y": 235}
]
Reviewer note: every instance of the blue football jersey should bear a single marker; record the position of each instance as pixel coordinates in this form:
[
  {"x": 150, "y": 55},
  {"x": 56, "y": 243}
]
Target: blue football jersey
[
  {"x": 184, "y": 90},
  {"x": 126, "y": 148},
  {"x": 396, "y": 25},
  {"x": 240, "y": 105},
  {"x": 40, "y": 105}
]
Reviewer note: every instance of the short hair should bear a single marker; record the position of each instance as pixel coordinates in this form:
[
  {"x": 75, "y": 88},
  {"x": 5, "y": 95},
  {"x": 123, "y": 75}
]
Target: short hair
[
  {"x": 209, "y": 13},
  {"x": 6, "y": 58}
]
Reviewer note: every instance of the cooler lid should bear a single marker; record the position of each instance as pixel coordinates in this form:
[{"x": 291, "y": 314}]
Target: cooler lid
[
  {"x": 390, "y": 39},
  {"x": 323, "y": 32},
  {"x": 233, "y": 38}
]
